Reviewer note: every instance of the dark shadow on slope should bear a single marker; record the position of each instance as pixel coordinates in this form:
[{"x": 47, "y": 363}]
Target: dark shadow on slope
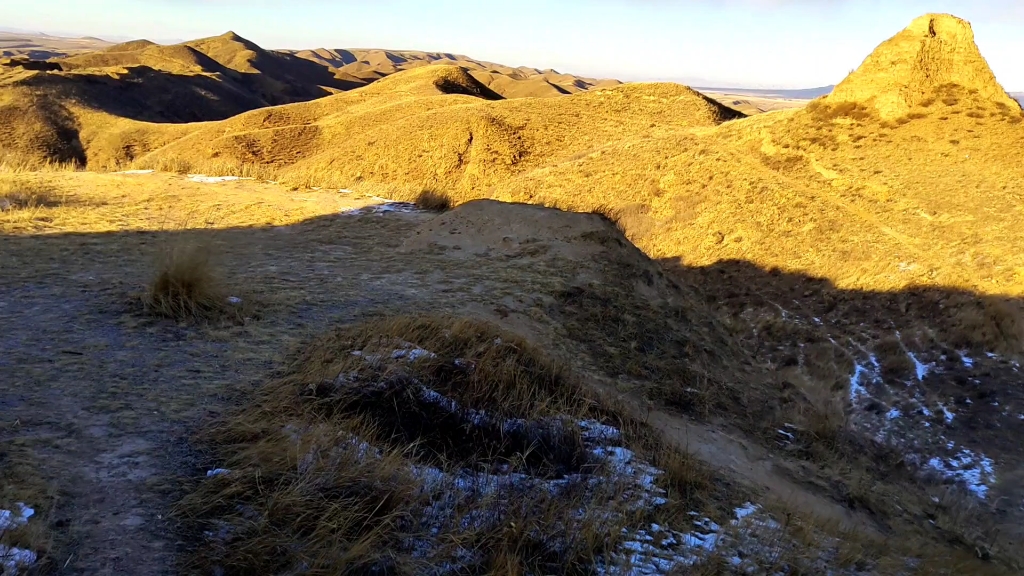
[
  {"x": 806, "y": 338},
  {"x": 150, "y": 95}
]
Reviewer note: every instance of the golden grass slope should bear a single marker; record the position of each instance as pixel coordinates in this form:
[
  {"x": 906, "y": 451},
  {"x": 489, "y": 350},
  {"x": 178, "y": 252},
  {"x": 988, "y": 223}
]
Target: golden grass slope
[
  {"x": 837, "y": 190},
  {"x": 841, "y": 189},
  {"x": 419, "y": 128},
  {"x": 275, "y": 78}
]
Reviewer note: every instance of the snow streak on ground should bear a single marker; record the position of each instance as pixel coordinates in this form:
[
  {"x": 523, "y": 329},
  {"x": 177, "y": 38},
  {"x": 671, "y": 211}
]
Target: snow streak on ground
[
  {"x": 385, "y": 207},
  {"x": 13, "y": 559},
  {"x": 898, "y": 425},
  {"x": 468, "y": 499}
]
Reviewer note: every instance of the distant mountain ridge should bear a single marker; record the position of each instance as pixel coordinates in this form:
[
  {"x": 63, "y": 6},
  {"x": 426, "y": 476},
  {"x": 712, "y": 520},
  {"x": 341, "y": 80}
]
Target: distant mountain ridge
[
  {"x": 364, "y": 65},
  {"x": 795, "y": 94}
]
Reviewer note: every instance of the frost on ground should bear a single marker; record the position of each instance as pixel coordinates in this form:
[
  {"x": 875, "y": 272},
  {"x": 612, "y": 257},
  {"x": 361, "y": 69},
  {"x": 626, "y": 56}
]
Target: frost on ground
[
  {"x": 604, "y": 487},
  {"x": 904, "y": 416},
  {"x": 974, "y": 471},
  {"x": 660, "y": 550},
  {"x": 14, "y": 559},
  {"x": 9, "y": 520},
  {"x": 384, "y": 206}
]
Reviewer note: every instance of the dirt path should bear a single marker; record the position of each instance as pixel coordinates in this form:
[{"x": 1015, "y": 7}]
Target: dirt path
[{"x": 105, "y": 399}]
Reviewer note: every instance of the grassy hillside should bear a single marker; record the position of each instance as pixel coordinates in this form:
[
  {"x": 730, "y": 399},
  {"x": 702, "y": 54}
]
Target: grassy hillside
[{"x": 820, "y": 309}]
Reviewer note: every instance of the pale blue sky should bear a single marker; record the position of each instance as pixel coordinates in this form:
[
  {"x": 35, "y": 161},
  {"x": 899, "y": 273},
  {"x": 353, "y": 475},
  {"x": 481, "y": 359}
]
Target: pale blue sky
[{"x": 753, "y": 43}]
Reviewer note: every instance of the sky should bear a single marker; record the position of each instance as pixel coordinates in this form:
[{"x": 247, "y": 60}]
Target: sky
[{"x": 716, "y": 43}]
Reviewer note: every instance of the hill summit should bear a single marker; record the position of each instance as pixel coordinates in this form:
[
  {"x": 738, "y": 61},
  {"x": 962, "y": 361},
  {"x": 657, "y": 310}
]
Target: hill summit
[{"x": 934, "y": 56}]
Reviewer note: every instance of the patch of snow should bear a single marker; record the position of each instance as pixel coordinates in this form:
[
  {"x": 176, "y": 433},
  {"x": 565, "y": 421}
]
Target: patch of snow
[
  {"x": 678, "y": 549},
  {"x": 595, "y": 431},
  {"x": 856, "y": 388},
  {"x": 344, "y": 191},
  {"x": 947, "y": 414},
  {"x": 234, "y": 300},
  {"x": 385, "y": 207},
  {"x": 894, "y": 413},
  {"x": 204, "y": 179},
  {"x": 9, "y": 520},
  {"x": 14, "y": 559},
  {"x": 136, "y": 172},
  {"x": 967, "y": 360},
  {"x": 216, "y": 472},
  {"x": 975, "y": 471},
  {"x": 921, "y": 368},
  {"x": 413, "y": 354},
  {"x": 991, "y": 354}
]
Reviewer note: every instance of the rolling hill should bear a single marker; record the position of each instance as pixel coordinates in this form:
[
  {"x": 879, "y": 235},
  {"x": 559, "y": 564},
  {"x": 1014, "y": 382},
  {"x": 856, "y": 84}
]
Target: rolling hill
[
  {"x": 837, "y": 287},
  {"x": 365, "y": 66}
]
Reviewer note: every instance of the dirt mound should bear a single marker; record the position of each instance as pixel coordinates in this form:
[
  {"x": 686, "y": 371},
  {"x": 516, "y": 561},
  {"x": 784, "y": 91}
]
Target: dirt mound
[
  {"x": 518, "y": 231},
  {"x": 930, "y": 57},
  {"x": 34, "y": 126}
]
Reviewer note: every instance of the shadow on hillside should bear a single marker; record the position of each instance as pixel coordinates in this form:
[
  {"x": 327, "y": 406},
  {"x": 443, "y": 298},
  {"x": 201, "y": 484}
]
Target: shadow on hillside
[
  {"x": 956, "y": 319},
  {"x": 780, "y": 317},
  {"x": 151, "y": 95}
]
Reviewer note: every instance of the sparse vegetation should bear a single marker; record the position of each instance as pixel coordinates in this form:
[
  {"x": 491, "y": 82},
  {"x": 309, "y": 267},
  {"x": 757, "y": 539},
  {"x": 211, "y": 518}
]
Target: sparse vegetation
[
  {"x": 18, "y": 194},
  {"x": 434, "y": 201},
  {"x": 187, "y": 288},
  {"x": 389, "y": 418},
  {"x": 838, "y": 299}
]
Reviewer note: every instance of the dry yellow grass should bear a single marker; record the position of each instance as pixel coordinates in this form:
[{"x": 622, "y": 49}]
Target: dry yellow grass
[
  {"x": 186, "y": 287},
  {"x": 683, "y": 186},
  {"x": 804, "y": 241}
]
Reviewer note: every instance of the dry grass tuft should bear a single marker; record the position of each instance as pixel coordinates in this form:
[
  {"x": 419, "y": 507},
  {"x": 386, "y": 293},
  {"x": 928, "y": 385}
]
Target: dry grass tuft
[
  {"x": 434, "y": 201},
  {"x": 186, "y": 288},
  {"x": 377, "y": 453},
  {"x": 17, "y": 194},
  {"x": 893, "y": 358}
]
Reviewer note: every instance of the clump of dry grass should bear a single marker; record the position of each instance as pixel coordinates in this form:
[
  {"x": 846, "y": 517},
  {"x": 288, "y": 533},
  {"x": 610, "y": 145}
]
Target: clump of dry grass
[
  {"x": 18, "y": 194},
  {"x": 434, "y": 201},
  {"x": 377, "y": 452},
  {"x": 893, "y": 358},
  {"x": 209, "y": 167},
  {"x": 826, "y": 111},
  {"x": 11, "y": 163},
  {"x": 187, "y": 288}
]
